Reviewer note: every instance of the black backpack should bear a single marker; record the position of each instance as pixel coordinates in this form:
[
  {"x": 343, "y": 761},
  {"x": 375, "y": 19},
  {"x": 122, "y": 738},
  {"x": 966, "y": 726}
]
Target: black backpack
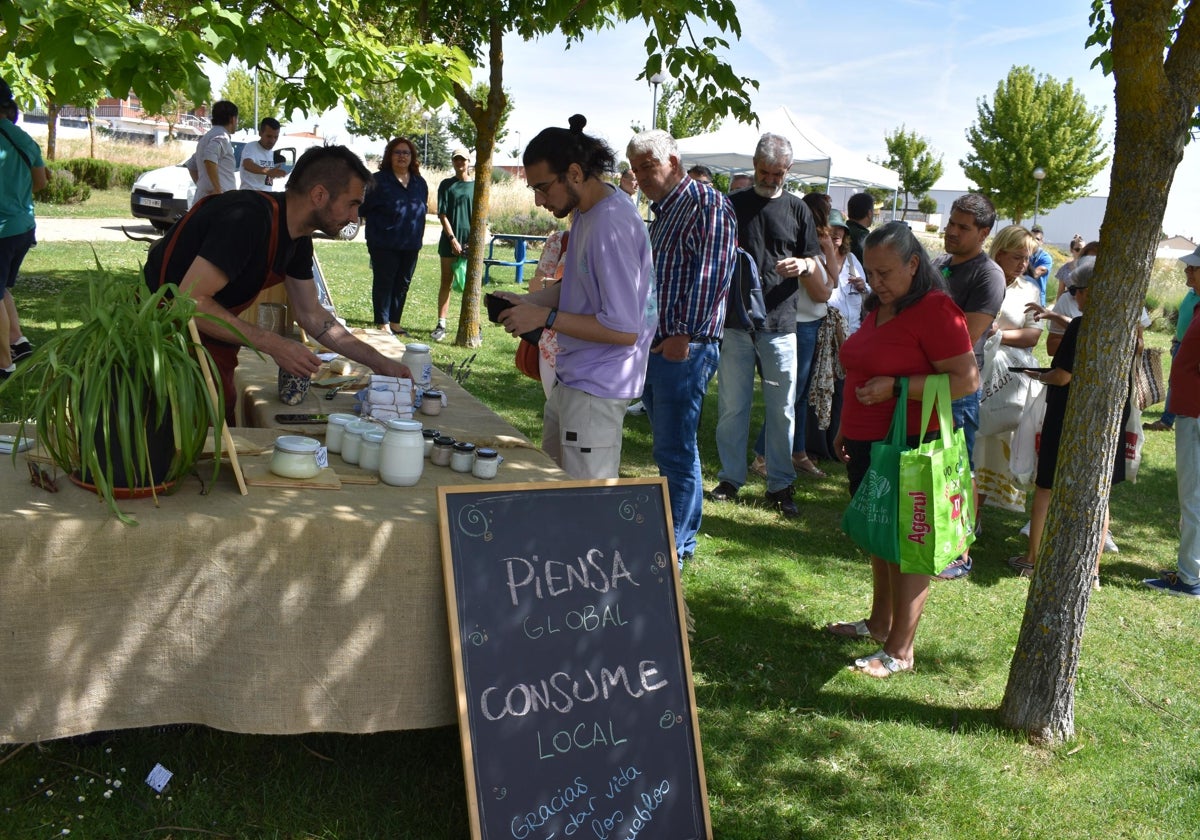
[{"x": 745, "y": 306}]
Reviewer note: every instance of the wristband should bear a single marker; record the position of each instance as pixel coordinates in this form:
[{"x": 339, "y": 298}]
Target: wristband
[
  {"x": 550, "y": 318},
  {"x": 896, "y": 387}
]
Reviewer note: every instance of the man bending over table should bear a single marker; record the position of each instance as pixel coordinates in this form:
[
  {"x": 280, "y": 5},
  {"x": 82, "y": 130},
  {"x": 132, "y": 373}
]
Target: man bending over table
[{"x": 230, "y": 247}]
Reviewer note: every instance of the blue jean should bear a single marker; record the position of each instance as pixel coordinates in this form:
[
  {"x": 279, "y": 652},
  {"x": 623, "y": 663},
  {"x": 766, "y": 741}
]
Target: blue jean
[
  {"x": 1168, "y": 419},
  {"x": 673, "y": 396},
  {"x": 392, "y": 273},
  {"x": 12, "y": 253},
  {"x": 776, "y": 352},
  {"x": 966, "y": 417},
  {"x": 1187, "y": 478},
  {"x": 806, "y": 348}
]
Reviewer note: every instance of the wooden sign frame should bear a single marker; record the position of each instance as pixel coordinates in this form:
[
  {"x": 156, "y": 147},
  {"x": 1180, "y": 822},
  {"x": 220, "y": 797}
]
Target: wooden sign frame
[{"x": 605, "y": 612}]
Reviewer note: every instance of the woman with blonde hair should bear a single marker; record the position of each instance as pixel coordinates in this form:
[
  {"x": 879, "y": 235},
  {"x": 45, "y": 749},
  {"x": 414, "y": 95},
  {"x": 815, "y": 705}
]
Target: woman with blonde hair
[{"x": 1019, "y": 333}]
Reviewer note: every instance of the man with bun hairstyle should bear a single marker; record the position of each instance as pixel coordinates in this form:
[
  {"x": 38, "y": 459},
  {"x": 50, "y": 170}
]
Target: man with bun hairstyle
[{"x": 603, "y": 311}]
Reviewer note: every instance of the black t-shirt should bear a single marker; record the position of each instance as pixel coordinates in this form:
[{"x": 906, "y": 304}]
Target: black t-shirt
[
  {"x": 976, "y": 285},
  {"x": 772, "y": 229},
  {"x": 233, "y": 232}
]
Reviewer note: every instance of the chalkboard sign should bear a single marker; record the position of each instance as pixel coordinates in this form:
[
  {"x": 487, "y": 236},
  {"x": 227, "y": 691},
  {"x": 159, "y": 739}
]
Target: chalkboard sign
[{"x": 574, "y": 686}]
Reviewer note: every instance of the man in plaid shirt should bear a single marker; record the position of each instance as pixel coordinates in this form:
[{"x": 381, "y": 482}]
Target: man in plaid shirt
[{"x": 693, "y": 237}]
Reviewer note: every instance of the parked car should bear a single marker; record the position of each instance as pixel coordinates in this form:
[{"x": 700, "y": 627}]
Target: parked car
[{"x": 162, "y": 196}]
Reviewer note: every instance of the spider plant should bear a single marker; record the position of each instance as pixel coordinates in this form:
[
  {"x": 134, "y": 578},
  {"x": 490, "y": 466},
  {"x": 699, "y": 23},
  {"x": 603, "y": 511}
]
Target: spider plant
[{"x": 98, "y": 393}]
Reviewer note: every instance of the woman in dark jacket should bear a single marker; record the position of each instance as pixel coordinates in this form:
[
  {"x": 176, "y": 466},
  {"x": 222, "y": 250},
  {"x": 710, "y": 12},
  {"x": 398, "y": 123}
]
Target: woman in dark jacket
[{"x": 395, "y": 210}]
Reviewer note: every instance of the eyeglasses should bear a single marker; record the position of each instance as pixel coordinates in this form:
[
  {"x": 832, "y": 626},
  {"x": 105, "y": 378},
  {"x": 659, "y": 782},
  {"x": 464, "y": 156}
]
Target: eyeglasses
[
  {"x": 402, "y": 153},
  {"x": 544, "y": 186},
  {"x": 1071, "y": 290}
]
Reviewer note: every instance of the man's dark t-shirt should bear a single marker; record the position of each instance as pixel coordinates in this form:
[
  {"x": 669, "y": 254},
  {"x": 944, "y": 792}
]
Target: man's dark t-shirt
[
  {"x": 770, "y": 230},
  {"x": 976, "y": 285},
  {"x": 858, "y": 235},
  {"x": 233, "y": 231}
]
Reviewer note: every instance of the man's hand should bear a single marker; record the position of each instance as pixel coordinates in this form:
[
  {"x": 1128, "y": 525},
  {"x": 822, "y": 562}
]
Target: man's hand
[
  {"x": 675, "y": 348},
  {"x": 523, "y": 317},
  {"x": 295, "y": 358}
]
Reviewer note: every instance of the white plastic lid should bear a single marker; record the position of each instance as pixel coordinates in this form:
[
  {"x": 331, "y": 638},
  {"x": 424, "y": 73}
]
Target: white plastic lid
[
  {"x": 375, "y": 436},
  {"x": 341, "y": 419},
  {"x": 417, "y": 348},
  {"x": 360, "y": 427},
  {"x": 405, "y": 425},
  {"x": 297, "y": 444}
]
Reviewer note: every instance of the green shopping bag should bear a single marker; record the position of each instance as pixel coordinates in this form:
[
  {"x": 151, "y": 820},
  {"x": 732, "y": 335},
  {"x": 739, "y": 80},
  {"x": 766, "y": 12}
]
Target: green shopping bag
[
  {"x": 937, "y": 506},
  {"x": 460, "y": 275},
  {"x": 871, "y": 519}
]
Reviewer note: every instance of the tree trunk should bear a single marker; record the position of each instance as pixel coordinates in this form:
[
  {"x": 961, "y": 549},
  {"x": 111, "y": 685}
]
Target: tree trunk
[
  {"x": 487, "y": 119},
  {"x": 91, "y": 121},
  {"x": 52, "y": 109},
  {"x": 1155, "y": 103}
]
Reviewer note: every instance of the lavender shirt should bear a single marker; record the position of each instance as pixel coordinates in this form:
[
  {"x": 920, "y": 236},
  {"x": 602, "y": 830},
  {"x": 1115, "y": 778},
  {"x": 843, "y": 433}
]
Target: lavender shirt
[{"x": 609, "y": 273}]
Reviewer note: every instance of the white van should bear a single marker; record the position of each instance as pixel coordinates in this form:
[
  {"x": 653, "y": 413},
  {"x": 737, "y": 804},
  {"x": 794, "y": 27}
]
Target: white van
[{"x": 162, "y": 196}]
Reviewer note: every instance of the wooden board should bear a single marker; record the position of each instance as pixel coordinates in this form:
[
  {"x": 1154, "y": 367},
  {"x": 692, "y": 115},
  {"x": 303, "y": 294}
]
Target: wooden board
[
  {"x": 576, "y": 707},
  {"x": 260, "y": 475}
]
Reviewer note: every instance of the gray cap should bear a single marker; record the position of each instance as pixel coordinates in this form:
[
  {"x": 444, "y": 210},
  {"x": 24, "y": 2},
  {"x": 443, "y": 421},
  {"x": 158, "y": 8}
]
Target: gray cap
[{"x": 1192, "y": 259}]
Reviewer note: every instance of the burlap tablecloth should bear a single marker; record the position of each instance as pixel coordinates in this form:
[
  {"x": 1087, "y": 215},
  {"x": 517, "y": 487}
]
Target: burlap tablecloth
[{"x": 284, "y": 611}]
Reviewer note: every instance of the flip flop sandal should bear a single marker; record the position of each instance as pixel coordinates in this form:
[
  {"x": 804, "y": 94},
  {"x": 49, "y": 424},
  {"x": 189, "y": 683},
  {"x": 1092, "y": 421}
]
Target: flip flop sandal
[
  {"x": 859, "y": 629},
  {"x": 889, "y": 663},
  {"x": 807, "y": 466},
  {"x": 1020, "y": 565}
]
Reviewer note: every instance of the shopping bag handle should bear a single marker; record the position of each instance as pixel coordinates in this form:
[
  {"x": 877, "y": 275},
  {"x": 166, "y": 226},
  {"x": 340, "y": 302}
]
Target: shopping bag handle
[
  {"x": 937, "y": 392},
  {"x": 898, "y": 433}
]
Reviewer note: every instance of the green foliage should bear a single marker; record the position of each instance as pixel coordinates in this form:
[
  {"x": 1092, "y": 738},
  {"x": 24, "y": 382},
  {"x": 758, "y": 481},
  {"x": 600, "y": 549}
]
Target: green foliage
[
  {"x": 679, "y": 116},
  {"x": 919, "y": 168},
  {"x": 461, "y": 126},
  {"x": 64, "y": 188},
  {"x": 101, "y": 174},
  {"x": 239, "y": 89},
  {"x": 927, "y": 205},
  {"x": 1034, "y": 122},
  {"x": 121, "y": 373},
  {"x": 387, "y": 110},
  {"x": 533, "y": 223}
]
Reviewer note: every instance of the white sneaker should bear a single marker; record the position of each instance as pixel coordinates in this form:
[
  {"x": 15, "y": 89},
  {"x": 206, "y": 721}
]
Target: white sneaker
[
  {"x": 636, "y": 408},
  {"x": 1025, "y": 530},
  {"x": 1110, "y": 547}
]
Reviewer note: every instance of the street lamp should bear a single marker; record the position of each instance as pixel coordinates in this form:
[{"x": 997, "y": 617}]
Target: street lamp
[
  {"x": 1038, "y": 175},
  {"x": 656, "y": 80},
  {"x": 425, "y": 154}
]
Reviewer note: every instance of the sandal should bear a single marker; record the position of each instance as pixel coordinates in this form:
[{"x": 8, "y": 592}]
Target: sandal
[
  {"x": 850, "y": 630},
  {"x": 759, "y": 466},
  {"x": 1156, "y": 426},
  {"x": 803, "y": 463},
  {"x": 890, "y": 664},
  {"x": 1020, "y": 565}
]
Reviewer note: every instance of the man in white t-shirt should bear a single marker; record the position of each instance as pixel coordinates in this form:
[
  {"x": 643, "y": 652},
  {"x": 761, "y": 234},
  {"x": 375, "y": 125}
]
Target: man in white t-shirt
[
  {"x": 259, "y": 169},
  {"x": 214, "y": 152}
]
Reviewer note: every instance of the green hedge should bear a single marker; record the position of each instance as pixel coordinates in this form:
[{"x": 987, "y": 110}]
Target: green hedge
[
  {"x": 102, "y": 174},
  {"x": 64, "y": 188}
]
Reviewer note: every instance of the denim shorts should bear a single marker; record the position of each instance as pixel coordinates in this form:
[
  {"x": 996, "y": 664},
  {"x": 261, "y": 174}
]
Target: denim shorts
[
  {"x": 12, "y": 252},
  {"x": 966, "y": 417}
]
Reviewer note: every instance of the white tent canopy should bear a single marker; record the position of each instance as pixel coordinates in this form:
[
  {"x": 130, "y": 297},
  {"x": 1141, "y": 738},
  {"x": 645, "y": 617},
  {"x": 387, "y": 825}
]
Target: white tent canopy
[{"x": 816, "y": 158}]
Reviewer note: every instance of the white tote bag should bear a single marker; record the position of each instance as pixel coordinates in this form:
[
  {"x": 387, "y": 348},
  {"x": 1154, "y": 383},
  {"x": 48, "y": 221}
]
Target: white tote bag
[
  {"x": 1005, "y": 392},
  {"x": 1023, "y": 460}
]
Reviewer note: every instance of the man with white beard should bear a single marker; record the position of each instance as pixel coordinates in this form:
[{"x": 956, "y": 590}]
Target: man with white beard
[{"x": 777, "y": 230}]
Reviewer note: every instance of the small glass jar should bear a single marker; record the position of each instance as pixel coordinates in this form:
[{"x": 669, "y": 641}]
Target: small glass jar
[
  {"x": 335, "y": 431},
  {"x": 369, "y": 452},
  {"x": 295, "y": 456},
  {"x": 443, "y": 447},
  {"x": 352, "y": 441},
  {"x": 463, "y": 456},
  {"x": 431, "y": 403},
  {"x": 417, "y": 359},
  {"x": 430, "y": 436},
  {"x": 487, "y": 462}
]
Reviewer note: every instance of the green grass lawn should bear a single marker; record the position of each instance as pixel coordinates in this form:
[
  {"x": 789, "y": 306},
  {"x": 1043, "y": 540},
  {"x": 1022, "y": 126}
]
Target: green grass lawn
[{"x": 795, "y": 746}]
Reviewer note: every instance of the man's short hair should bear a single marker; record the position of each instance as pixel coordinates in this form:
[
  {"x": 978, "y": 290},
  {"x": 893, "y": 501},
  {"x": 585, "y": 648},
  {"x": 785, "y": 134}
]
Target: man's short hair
[
  {"x": 773, "y": 150},
  {"x": 1037, "y": 229},
  {"x": 268, "y": 122},
  {"x": 700, "y": 171},
  {"x": 223, "y": 111},
  {"x": 860, "y": 206},
  {"x": 329, "y": 166},
  {"x": 658, "y": 143},
  {"x": 558, "y": 148},
  {"x": 978, "y": 207}
]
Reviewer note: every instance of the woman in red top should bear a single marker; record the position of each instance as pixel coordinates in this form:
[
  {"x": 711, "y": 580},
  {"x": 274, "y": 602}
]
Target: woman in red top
[{"x": 912, "y": 329}]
